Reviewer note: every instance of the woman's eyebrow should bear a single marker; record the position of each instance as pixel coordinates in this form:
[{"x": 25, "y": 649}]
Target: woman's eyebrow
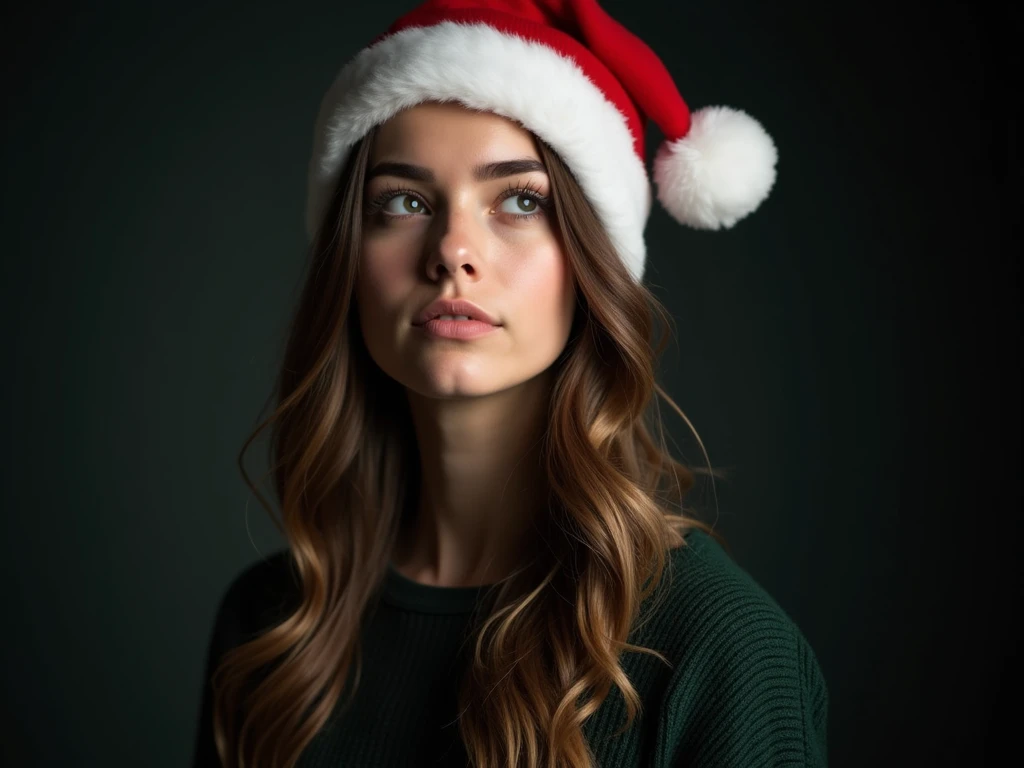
[
  {"x": 505, "y": 168},
  {"x": 402, "y": 170},
  {"x": 484, "y": 172}
]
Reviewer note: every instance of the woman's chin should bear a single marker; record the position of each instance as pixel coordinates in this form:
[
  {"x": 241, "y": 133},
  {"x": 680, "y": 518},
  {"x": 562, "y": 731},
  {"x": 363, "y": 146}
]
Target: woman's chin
[{"x": 444, "y": 385}]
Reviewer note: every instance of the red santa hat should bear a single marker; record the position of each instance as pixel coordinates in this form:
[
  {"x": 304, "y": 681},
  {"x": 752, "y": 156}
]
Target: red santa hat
[{"x": 579, "y": 80}]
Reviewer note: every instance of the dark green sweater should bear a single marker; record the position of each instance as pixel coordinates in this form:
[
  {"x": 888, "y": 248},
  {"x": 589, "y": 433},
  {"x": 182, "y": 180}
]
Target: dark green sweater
[{"x": 745, "y": 688}]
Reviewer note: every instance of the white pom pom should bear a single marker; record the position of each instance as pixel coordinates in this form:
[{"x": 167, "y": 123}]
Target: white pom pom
[{"x": 719, "y": 172}]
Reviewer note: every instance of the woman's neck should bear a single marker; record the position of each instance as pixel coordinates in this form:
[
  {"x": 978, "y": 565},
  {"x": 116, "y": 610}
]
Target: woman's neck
[{"x": 482, "y": 485}]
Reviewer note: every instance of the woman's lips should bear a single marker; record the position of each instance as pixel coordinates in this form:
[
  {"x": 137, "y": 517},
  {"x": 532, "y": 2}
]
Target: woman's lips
[{"x": 456, "y": 329}]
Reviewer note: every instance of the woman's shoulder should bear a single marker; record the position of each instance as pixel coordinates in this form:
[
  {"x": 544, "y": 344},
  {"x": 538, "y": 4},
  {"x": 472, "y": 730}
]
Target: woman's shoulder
[
  {"x": 707, "y": 590},
  {"x": 259, "y": 596},
  {"x": 741, "y": 666}
]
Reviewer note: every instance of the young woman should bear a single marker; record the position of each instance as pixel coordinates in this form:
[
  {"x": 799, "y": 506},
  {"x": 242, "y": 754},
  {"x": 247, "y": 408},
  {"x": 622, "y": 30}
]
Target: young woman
[{"x": 488, "y": 560}]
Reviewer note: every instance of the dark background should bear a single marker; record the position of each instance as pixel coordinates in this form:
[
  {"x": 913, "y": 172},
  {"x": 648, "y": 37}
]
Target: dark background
[{"x": 846, "y": 352}]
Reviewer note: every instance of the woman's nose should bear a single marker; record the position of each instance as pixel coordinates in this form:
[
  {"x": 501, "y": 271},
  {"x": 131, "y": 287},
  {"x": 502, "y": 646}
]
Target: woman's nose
[{"x": 459, "y": 245}]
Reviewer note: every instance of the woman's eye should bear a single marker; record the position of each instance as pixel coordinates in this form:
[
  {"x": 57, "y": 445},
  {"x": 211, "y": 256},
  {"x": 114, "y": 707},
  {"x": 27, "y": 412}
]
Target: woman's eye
[
  {"x": 519, "y": 205},
  {"x": 403, "y": 205}
]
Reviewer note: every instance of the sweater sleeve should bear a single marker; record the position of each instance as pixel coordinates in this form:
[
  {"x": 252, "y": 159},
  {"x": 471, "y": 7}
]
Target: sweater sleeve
[
  {"x": 255, "y": 600},
  {"x": 759, "y": 702},
  {"x": 205, "y": 750},
  {"x": 814, "y": 706}
]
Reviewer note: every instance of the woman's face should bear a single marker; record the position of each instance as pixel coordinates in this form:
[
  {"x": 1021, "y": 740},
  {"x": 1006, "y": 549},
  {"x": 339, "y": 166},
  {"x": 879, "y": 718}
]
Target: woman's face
[{"x": 456, "y": 206}]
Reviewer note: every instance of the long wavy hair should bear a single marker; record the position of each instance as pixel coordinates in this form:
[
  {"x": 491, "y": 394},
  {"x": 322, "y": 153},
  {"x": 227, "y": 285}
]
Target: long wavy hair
[{"x": 547, "y": 639}]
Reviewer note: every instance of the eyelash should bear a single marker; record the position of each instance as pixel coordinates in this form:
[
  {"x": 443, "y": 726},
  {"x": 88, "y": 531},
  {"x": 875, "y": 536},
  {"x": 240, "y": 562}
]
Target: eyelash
[{"x": 526, "y": 190}]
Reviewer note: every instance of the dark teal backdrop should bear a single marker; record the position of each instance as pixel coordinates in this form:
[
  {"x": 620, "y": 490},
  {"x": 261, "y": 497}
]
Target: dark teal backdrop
[{"x": 846, "y": 352}]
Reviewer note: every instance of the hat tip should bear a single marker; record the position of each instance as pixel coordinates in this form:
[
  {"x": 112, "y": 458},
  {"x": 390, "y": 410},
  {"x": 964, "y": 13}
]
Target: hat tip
[{"x": 719, "y": 172}]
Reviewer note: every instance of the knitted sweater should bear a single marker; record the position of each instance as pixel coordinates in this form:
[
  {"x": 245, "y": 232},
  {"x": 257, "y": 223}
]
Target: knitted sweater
[{"x": 745, "y": 688}]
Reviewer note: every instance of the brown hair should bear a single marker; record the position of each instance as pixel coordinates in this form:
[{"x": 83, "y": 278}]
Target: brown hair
[{"x": 345, "y": 462}]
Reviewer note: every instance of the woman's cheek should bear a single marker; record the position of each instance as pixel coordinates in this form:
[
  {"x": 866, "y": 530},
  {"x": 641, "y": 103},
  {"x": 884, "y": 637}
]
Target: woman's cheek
[
  {"x": 386, "y": 268},
  {"x": 537, "y": 271}
]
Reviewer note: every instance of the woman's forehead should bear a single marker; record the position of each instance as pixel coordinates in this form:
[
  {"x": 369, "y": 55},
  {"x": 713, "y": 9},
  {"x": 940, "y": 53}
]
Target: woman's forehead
[{"x": 449, "y": 131}]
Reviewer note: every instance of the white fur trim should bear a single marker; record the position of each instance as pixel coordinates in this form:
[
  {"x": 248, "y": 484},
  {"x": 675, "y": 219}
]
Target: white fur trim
[
  {"x": 719, "y": 172},
  {"x": 485, "y": 69}
]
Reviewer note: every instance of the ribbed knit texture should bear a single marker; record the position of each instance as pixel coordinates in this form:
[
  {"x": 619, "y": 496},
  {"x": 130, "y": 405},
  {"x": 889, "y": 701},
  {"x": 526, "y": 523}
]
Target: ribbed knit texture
[{"x": 745, "y": 688}]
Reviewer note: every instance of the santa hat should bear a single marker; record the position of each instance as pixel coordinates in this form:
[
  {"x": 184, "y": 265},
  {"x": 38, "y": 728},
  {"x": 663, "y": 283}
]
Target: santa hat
[{"x": 579, "y": 80}]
